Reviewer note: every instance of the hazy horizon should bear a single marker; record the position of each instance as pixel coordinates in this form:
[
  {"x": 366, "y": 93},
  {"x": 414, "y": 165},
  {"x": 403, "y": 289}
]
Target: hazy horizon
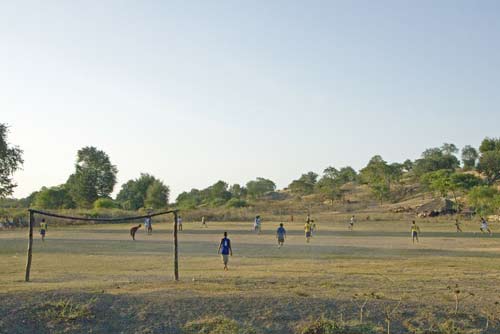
[{"x": 199, "y": 92}]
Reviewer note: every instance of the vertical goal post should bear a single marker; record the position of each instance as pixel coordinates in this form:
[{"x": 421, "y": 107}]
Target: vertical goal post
[{"x": 32, "y": 213}]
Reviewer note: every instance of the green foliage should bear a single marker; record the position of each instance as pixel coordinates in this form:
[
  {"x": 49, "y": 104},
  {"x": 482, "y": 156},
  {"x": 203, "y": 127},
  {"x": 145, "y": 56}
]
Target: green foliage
[
  {"x": 438, "y": 181},
  {"x": 95, "y": 177},
  {"x": 489, "y": 144},
  {"x": 330, "y": 185},
  {"x": 465, "y": 182},
  {"x": 65, "y": 310},
  {"x": 380, "y": 176},
  {"x": 236, "y": 203},
  {"x": 105, "y": 203},
  {"x": 469, "y": 157},
  {"x": 259, "y": 187},
  {"x": 10, "y": 161},
  {"x": 434, "y": 159},
  {"x": 54, "y": 198},
  {"x": 216, "y": 325},
  {"x": 449, "y": 149},
  {"x": 304, "y": 185},
  {"x": 145, "y": 191},
  {"x": 327, "y": 326},
  {"x": 237, "y": 191},
  {"x": 489, "y": 165},
  {"x": 485, "y": 199}
]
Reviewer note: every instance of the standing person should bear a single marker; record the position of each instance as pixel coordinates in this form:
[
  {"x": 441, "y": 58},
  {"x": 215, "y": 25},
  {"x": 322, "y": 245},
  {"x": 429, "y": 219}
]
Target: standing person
[
  {"x": 307, "y": 230},
  {"x": 484, "y": 226},
  {"x": 281, "y": 235},
  {"x": 415, "y": 230},
  {"x": 457, "y": 225},
  {"x": 313, "y": 227},
  {"x": 351, "y": 223},
  {"x": 257, "y": 224},
  {"x": 43, "y": 229},
  {"x": 147, "y": 225},
  {"x": 203, "y": 222},
  {"x": 179, "y": 223},
  {"x": 225, "y": 250}
]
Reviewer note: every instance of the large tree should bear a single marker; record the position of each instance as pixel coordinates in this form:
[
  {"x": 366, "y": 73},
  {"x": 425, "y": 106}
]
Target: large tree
[
  {"x": 489, "y": 161},
  {"x": 10, "y": 161},
  {"x": 304, "y": 185},
  {"x": 469, "y": 157},
  {"x": 259, "y": 187},
  {"x": 54, "y": 198},
  {"x": 380, "y": 176},
  {"x": 94, "y": 177},
  {"x": 136, "y": 194},
  {"x": 434, "y": 159}
]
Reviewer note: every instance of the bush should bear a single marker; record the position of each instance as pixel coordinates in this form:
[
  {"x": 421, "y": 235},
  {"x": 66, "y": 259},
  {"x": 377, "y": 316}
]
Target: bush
[
  {"x": 216, "y": 325},
  {"x": 327, "y": 326},
  {"x": 105, "y": 203},
  {"x": 236, "y": 203}
]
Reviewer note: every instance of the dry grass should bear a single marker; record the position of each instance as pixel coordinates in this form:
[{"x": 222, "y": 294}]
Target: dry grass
[{"x": 269, "y": 287}]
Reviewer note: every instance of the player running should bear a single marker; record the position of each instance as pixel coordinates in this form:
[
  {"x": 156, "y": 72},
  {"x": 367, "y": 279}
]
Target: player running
[
  {"x": 457, "y": 225},
  {"x": 43, "y": 229},
  {"x": 351, "y": 223},
  {"x": 307, "y": 230},
  {"x": 225, "y": 250},
  {"x": 415, "y": 230},
  {"x": 484, "y": 226},
  {"x": 281, "y": 235}
]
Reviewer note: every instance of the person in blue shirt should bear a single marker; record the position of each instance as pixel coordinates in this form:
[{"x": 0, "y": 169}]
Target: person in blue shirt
[
  {"x": 225, "y": 250},
  {"x": 281, "y": 235}
]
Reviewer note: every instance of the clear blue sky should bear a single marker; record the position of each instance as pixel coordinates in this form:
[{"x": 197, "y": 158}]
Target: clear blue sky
[{"x": 197, "y": 91}]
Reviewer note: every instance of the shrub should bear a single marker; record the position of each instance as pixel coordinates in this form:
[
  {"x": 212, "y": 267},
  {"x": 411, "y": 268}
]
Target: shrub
[
  {"x": 105, "y": 203},
  {"x": 216, "y": 325},
  {"x": 327, "y": 326},
  {"x": 236, "y": 203}
]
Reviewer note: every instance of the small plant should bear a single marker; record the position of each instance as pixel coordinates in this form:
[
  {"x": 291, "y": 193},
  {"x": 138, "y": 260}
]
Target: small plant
[
  {"x": 459, "y": 295},
  {"x": 360, "y": 301},
  {"x": 66, "y": 310},
  {"x": 327, "y": 326},
  {"x": 491, "y": 313},
  {"x": 216, "y": 325},
  {"x": 390, "y": 312}
]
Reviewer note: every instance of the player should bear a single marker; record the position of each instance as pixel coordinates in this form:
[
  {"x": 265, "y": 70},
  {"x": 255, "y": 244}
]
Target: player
[
  {"x": 257, "y": 224},
  {"x": 204, "y": 222},
  {"x": 307, "y": 230},
  {"x": 313, "y": 227},
  {"x": 148, "y": 224},
  {"x": 225, "y": 250},
  {"x": 415, "y": 230},
  {"x": 484, "y": 226},
  {"x": 351, "y": 223},
  {"x": 179, "y": 223},
  {"x": 133, "y": 231},
  {"x": 43, "y": 229},
  {"x": 281, "y": 235},
  {"x": 457, "y": 225}
]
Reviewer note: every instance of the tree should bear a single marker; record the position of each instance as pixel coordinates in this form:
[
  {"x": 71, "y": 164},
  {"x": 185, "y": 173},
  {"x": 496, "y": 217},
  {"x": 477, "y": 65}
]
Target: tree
[
  {"x": 189, "y": 200},
  {"x": 54, "y": 198},
  {"x": 105, "y": 203},
  {"x": 304, "y": 185},
  {"x": 259, "y": 187},
  {"x": 347, "y": 174},
  {"x": 237, "y": 191},
  {"x": 157, "y": 195},
  {"x": 464, "y": 182},
  {"x": 10, "y": 161},
  {"x": 408, "y": 165},
  {"x": 469, "y": 157},
  {"x": 449, "y": 149},
  {"x": 489, "y": 144},
  {"x": 434, "y": 159},
  {"x": 134, "y": 193},
  {"x": 95, "y": 176},
  {"x": 489, "y": 161},
  {"x": 485, "y": 199},
  {"x": 380, "y": 176},
  {"x": 438, "y": 181}
]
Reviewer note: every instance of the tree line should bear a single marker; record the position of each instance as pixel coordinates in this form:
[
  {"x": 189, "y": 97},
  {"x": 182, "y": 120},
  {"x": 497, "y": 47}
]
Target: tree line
[{"x": 438, "y": 170}]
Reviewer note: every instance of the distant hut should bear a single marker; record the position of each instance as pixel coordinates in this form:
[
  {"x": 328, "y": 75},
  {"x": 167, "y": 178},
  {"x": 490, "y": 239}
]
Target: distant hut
[{"x": 436, "y": 207}]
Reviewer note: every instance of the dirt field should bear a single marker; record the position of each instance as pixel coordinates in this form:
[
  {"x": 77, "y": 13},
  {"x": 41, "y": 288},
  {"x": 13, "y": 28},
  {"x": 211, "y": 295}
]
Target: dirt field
[{"x": 95, "y": 279}]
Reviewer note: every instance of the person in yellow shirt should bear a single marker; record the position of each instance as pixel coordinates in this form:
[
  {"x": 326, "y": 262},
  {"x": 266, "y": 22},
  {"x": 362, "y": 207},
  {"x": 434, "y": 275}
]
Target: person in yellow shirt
[
  {"x": 43, "y": 229},
  {"x": 307, "y": 230},
  {"x": 415, "y": 230}
]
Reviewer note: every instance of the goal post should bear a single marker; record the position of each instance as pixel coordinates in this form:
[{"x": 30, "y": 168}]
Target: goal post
[{"x": 32, "y": 213}]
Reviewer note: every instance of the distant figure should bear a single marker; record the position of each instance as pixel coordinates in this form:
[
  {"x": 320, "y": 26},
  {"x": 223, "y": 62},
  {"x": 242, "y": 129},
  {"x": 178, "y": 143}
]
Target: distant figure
[
  {"x": 484, "y": 226},
  {"x": 351, "y": 223},
  {"x": 415, "y": 230},
  {"x": 225, "y": 250},
  {"x": 313, "y": 227},
  {"x": 281, "y": 235},
  {"x": 179, "y": 223},
  {"x": 43, "y": 229},
  {"x": 307, "y": 230},
  {"x": 291, "y": 219},
  {"x": 203, "y": 222},
  {"x": 133, "y": 230},
  {"x": 257, "y": 224},
  {"x": 457, "y": 225},
  {"x": 148, "y": 224}
]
